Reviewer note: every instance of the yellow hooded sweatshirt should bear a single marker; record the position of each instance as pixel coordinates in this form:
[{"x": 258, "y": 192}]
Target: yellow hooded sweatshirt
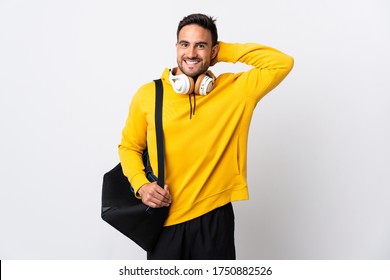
[{"x": 205, "y": 155}]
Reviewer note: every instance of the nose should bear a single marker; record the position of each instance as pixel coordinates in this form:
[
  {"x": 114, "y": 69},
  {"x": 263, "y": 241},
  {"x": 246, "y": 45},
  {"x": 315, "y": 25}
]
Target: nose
[{"x": 192, "y": 52}]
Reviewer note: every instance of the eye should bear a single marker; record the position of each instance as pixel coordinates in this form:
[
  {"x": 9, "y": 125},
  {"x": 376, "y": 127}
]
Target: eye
[
  {"x": 201, "y": 46},
  {"x": 183, "y": 44}
]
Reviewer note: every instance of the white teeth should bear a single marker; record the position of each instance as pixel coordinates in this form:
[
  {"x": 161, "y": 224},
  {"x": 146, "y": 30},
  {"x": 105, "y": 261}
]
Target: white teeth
[{"x": 191, "y": 62}]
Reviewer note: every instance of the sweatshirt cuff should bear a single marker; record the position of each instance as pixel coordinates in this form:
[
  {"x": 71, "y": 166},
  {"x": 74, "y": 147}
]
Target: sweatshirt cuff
[{"x": 137, "y": 182}]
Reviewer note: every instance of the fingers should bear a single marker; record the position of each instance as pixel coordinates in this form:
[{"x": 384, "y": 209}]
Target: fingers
[{"x": 155, "y": 196}]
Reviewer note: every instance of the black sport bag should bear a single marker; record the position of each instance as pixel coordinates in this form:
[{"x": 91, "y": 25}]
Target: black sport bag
[{"x": 121, "y": 209}]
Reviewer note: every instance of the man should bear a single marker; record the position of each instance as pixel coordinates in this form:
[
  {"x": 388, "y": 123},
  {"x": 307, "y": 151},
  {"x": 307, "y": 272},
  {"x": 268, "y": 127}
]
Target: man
[{"x": 206, "y": 123}]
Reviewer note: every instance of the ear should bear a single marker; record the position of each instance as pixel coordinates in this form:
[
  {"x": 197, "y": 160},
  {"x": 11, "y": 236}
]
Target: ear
[
  {"x": 214, "y": 55},
  {"x": 214, "y": 51}
]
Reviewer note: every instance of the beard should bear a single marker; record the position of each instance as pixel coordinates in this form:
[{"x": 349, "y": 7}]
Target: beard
[{"x": 192, "y": 72}]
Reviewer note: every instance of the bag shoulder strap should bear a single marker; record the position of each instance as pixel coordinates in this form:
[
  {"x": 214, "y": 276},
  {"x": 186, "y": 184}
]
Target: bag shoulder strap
[{"x": 159, "y": 133}]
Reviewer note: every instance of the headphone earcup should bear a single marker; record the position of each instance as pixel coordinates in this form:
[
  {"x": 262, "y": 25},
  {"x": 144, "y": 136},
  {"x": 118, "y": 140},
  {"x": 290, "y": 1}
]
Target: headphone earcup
[
  {"x": 182, "y": 83},
  {"x": 204, "y": 84},
  {"x": 191, "y": 85},
  {"x": 198, "y": 83}
]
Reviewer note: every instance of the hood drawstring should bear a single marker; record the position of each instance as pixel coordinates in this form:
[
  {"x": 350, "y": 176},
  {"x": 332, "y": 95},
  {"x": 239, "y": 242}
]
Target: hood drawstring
[{"x": 192, "y": 110}]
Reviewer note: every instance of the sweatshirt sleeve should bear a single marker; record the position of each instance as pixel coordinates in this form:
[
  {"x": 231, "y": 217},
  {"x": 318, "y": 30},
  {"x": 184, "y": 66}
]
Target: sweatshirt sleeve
[
  {"x": 270, "y": 67},
  {"x": 133, "y": 142}
]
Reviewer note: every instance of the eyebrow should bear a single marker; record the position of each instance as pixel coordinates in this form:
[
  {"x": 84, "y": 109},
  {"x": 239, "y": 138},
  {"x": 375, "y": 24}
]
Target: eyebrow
[{"x": 197, "y": 43}]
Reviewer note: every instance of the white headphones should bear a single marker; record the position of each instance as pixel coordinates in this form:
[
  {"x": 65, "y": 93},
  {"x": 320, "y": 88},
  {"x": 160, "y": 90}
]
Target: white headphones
[{"x": 184, "y": 84}]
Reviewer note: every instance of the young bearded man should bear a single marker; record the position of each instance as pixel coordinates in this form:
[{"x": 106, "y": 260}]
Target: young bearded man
[{"x": 206, "y": 123}]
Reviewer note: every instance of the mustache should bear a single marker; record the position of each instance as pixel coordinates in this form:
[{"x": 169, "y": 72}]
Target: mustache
[{"x": 192, "y": 58}]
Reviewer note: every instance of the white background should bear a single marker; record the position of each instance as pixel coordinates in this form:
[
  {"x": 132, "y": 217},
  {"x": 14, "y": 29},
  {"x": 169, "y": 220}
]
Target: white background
[{"x": 319, "y": 152}]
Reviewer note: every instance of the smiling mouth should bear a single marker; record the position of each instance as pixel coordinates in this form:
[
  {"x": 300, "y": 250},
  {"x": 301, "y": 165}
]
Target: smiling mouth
[{"x": 191, "y": 62}]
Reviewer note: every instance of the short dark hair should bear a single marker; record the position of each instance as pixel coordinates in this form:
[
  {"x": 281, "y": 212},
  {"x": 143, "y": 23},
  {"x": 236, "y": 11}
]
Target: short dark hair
[{"x": 202, "y": 20}]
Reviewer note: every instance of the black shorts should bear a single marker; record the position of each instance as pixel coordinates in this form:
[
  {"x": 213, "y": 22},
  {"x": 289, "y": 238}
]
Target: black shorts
[{"x": 208, "y": 237}]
